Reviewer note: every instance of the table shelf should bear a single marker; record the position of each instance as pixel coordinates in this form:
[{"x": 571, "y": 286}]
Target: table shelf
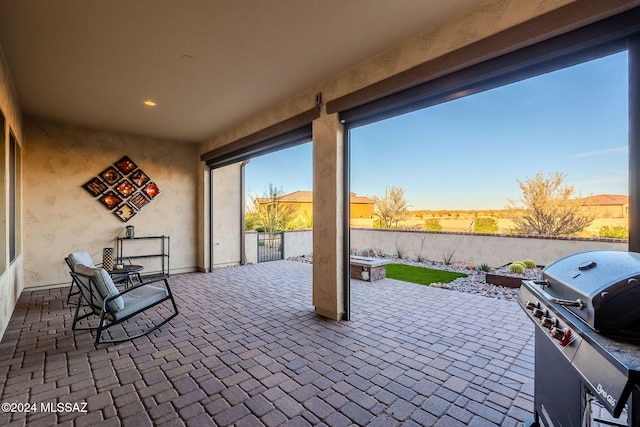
[{"x": 146, "y": 248}]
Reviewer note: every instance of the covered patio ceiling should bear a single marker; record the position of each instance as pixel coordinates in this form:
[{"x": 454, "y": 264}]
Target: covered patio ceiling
[{"x": 206, "y": 64}]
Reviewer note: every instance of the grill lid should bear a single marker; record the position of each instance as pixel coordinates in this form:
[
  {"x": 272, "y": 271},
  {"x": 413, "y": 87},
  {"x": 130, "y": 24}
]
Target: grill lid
[{"x": 604, "y": 287}]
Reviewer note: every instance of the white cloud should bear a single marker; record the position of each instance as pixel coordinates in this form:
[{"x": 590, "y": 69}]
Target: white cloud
[
  {"x": 606, "y": 180},
  {"x": 620, "y": 149}
]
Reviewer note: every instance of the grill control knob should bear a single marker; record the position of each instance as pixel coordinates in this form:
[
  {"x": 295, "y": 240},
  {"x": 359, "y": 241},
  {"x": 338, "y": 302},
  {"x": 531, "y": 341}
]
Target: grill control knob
[
  {"x": 539, "y": 312},
  {"x": 532, "y": 304},
  {"x": 561, "y": 334},
  {"x": 549, "y": 322},
  {"x": 557, "y": 333}
]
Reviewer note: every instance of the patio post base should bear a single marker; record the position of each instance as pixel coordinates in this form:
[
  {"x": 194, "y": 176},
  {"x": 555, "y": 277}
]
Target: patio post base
[{"x": 329, "y": 314}]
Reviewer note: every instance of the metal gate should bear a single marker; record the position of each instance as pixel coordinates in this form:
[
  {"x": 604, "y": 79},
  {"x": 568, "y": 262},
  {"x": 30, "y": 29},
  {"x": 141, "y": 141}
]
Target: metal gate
[{"x": 270, "y": 246}]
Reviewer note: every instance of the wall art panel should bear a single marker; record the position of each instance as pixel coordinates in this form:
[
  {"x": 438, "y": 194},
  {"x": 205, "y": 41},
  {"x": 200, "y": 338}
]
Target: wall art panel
[{"x": 117, "y": 188}]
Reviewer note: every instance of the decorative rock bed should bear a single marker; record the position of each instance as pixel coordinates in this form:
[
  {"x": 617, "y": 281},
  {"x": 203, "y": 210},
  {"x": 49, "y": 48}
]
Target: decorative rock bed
[{"x": 474, "y": 283}]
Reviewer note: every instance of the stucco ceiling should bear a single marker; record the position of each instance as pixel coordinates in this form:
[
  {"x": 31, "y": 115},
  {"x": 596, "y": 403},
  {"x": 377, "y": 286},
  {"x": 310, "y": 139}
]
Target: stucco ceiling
[{"x": 206, "y": 63}]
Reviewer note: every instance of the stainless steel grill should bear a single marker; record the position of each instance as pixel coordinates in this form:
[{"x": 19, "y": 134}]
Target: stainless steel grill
[
  {"x": 600, "y": 287},
  {"x": 586, "y": 310}
]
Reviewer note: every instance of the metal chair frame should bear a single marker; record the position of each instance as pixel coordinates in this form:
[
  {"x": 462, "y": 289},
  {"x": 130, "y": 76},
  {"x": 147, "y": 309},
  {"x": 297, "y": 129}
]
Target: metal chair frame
[{"x": 89, "y": 299}]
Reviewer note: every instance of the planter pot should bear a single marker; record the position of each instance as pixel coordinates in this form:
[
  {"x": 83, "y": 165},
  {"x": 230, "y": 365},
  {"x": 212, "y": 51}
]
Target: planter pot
[{"x": 506, "y": 281}]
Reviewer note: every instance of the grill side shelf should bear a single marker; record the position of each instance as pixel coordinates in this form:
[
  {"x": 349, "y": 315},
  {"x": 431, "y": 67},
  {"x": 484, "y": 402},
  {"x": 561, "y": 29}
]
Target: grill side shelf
[{"x": 607, "y": 382}]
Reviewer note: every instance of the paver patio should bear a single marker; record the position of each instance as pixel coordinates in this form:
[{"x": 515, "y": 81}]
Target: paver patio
[{"x": 247, "y": 349}]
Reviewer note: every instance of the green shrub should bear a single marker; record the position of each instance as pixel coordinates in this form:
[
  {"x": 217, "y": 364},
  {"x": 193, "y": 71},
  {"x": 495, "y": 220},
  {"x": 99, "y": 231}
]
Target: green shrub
[
  {"x": 432, "y": 224},
  {"x": 516, "y": 268},
  {"x": 485, "y": 225},
  {"x": 250, "y": 221},
  {"x": 529, "y": 263},
  {"x": 614, "y": 232}
]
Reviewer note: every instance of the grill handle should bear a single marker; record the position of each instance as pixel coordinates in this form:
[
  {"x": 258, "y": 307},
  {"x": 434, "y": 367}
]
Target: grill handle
[
  {"x": 563, "y": 302},
  {"x": 568, "y": 303}
]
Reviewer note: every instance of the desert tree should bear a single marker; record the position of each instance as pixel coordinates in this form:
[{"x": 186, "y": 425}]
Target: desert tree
[
  {"x": 392, "y": 208},
  {"x": 547, "y": 207},
  {"x": 269, "y": 212}
]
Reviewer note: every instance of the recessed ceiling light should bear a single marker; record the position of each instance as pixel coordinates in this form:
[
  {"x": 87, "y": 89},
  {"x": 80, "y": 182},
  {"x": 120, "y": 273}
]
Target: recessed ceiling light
[{"x": 149, "y": 103}]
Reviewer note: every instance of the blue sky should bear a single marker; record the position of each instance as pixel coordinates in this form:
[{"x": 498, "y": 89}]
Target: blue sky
[{"x": 468, "y": 153}]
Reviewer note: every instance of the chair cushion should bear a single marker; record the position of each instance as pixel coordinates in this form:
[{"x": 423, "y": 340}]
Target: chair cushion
[
  {"x": 140, "y": 298},
  {"x": 81, "y": 257},
  {"x": 104, "y": 284}
]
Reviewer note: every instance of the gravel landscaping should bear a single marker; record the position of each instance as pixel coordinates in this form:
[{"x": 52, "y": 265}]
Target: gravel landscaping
[{"x": 474, "y": 283}]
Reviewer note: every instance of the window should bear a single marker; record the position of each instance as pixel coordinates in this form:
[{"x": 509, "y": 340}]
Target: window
[
  {"x": 3, "y": 203},
  {"x": 12, "y": 196}
]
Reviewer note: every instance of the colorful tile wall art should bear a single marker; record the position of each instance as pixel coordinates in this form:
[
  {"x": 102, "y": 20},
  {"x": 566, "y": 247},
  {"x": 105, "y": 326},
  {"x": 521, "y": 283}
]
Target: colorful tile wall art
[{"x": 123, "y": 188}]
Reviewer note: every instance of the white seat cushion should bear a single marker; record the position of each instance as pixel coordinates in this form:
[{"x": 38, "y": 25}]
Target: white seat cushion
[
  {"x": 81, "y": 257},
  {"x": 105, "y": 286}
]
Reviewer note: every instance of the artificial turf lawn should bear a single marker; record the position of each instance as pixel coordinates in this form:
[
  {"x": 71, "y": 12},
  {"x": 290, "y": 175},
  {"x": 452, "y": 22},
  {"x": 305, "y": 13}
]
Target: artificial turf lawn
[{"x": 420, "y": 275}]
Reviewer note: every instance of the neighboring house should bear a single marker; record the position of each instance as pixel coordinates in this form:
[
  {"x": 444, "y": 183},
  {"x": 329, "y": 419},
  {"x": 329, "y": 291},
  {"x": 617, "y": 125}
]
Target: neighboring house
[
  {"x": 361, "y": 206},
  {"x": 607, "y": 205}
]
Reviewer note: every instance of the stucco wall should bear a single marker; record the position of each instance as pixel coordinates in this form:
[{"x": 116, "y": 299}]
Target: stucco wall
[
  {"x": 251, "y": 247},
  {"x": 11, "y": 274},
  {"x": 227, "y": 215},
  {"x": 476, "y": 249},
  {"x": 298, "y": 243},
  {"x": 61, "y": 217}
]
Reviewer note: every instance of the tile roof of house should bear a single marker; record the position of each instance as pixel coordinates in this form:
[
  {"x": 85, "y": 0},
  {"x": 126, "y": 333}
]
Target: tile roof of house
[
  {"x": 604, "y": 200},
  {"x": 298, "y": 196}
]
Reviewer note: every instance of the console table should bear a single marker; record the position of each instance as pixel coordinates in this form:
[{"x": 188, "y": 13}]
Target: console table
[
  {"x": 153, "y": 248},
  {"x": 129, "y": 271}
]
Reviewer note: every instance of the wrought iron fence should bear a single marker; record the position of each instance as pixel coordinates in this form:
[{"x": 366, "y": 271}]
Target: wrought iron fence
[{"x": 270, "y": 246}]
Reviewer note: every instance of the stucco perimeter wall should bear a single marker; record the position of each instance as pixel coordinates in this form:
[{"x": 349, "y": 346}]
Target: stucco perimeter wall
[
  {"x": 495, "y": 250},
  {"x": 61, "y": 217},
  {"x": 251, "y": 247},
  {"x": 476, "y": 249},
  {"x": 296, "y": 243}
]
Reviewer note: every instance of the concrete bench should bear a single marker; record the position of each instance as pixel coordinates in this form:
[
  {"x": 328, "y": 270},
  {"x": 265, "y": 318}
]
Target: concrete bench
[{"x": 368, "y": 269}]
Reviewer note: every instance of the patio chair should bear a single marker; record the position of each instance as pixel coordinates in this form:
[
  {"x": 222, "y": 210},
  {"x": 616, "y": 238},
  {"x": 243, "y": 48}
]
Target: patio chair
[
  {"x": 83, "y": 257},
  {"x": 99, "y": 297}
]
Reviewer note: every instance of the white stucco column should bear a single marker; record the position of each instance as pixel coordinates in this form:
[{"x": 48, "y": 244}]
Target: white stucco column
[{"x": 328, "y": 211}]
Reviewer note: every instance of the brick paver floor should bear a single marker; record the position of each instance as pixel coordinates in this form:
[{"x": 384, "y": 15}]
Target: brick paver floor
[{"x": 248, "y": 350}]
